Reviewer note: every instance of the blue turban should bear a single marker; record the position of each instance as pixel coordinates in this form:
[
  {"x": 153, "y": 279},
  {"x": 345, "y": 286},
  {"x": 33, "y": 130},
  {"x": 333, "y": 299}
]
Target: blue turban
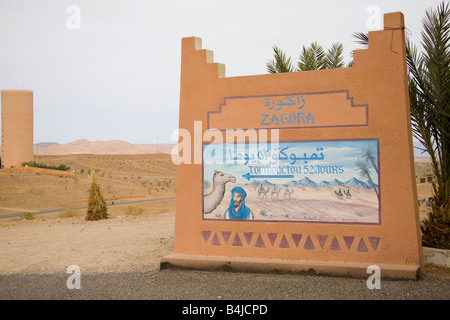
[{"x": 243, "y": 211}]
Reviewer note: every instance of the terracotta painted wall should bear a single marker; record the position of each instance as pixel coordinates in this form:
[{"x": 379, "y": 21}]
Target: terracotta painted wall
[{"x": 378, "y": 82}]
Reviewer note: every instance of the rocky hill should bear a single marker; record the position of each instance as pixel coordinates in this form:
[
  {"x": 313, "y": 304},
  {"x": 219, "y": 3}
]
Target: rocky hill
[{"x": 83, "y": 146}]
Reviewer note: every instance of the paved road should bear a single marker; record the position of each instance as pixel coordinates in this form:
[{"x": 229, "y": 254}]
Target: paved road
[
  {"x": 109, "y": 204},
  {"x": 179, "y": 284}
]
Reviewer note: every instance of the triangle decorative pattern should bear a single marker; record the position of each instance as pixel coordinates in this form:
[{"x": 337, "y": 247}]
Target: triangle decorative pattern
[
  {"x": 335, "y": 244},
  {"x": 226, "y": 236},
  {"x": 272, "y": 237},
  {"x": 206, "y": 235},
  {"x": 248, "y": 237},
  {"x": 291, "y": 241},
  {"x": 322, "y": 239},
  {"x": 374, "y": 241},
  {"x": 296, "y": 238},
  {"x": 215, "y": 241},
  {"x": 362, "y": 246},
  {"x": 309, "y": 245},
  {"x": 284, "y": 243},
  {"x": 259, "y": 242},
  {"x": 237, "y": 241}
]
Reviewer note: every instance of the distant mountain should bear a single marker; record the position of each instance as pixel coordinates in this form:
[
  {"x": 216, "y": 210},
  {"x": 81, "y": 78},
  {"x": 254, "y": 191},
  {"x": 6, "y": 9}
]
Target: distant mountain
[
  {"x": 353, "y": 182},
  {"x": 369, "y": 185},
  {"x": 306, "y": 182},
  {"x": 42, "y": 145},
  {"x": 336, "y": 182},
  {"x": 323, "y": 184},
  {"x": 267, "y": 183},
  {"x": 83, "y": 146}
]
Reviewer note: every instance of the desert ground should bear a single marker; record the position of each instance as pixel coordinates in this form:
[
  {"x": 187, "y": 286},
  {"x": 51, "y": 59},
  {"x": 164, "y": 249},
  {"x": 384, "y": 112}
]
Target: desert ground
[{"x": 136, "y": 236}]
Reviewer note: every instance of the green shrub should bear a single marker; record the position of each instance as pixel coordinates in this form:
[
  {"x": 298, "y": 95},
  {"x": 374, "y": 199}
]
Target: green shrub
[
  {"x": 28, "y": 216},
  {"x": 69, "y": 214},
  {"x": 61, "y": 167},
  {"x": 133, "y": 211}
]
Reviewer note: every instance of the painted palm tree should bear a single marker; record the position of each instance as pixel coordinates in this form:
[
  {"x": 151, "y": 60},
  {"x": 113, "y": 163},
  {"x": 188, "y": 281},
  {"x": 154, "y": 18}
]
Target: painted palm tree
[
  {"x": 363, "y": 166},
  {"x": 370, "y": 155}
]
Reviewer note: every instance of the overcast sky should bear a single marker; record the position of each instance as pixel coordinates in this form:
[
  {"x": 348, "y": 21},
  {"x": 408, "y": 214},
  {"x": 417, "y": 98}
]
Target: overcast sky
[{"x": 114, "y": 74}]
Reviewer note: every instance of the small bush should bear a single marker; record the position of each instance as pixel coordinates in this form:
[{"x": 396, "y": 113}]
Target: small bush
[
  {"x": 61, "y": 167},
  {"x": 133, "y": 211},
  {"x": 28, "y": 216},
  {"x": 69, "y": 214}
]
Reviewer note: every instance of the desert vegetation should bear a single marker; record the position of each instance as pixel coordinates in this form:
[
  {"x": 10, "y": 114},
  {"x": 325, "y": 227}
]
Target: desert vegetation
[{"x": 34, "y": 164}]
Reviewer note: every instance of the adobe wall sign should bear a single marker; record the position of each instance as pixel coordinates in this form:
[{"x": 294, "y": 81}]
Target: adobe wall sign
[{"x": 333, "y": 188}]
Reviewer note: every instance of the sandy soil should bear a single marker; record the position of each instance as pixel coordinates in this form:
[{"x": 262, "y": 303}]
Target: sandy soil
[{"x": 51, "y": 244}]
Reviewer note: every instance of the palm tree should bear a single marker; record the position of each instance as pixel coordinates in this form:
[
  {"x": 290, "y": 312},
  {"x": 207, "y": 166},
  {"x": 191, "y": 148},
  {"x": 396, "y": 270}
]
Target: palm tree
[
  {"x": 429, "y": 95},
  {"x": 429, "y": 92},
  {"x": 364, "y": 169},
  {"x": 313, "y": 57}
]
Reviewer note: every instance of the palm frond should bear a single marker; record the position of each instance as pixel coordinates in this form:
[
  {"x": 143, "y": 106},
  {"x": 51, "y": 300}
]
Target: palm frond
[
  {"x": 312, "y": 58},
  {"x": 334, "y": 56},
  {"x": 280, "y": 63},
  {"x": 361, "y": 37}
]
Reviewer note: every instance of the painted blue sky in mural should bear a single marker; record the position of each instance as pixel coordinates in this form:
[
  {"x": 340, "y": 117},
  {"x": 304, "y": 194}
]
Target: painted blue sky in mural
[{"x": 316, "y": 163}]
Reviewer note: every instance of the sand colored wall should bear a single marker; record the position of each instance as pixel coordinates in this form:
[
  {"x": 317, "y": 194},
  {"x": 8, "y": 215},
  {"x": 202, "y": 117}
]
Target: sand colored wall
[
  {"x": 17, "y": 127},
  {"x": 377, "y": 81}
]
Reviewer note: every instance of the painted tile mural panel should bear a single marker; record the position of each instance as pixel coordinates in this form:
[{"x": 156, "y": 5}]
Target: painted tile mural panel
[{"x": 321, "y": 181}]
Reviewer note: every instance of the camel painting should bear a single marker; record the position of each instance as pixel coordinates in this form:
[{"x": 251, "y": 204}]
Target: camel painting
[
  {"x": 340, "y": 196},
  {"x": 262, "y": 193},
  {"x": 274, "y": 194},
  {"x": 287, "y": 193},
  {"x": 214, "y": 198}
]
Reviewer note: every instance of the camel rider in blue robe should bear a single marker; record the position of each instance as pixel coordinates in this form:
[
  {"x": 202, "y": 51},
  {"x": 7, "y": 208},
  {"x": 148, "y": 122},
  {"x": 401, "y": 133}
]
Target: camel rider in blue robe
[{"x": 237, "y": 208}]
